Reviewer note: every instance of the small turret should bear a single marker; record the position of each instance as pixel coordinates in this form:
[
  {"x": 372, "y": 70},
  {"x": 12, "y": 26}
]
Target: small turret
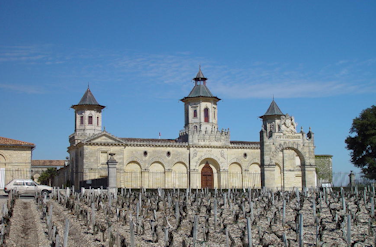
[
  {"x": 88, "y": 117},
  {"x": 271, "y": 119},
  {"x": 200, "y": 111}
]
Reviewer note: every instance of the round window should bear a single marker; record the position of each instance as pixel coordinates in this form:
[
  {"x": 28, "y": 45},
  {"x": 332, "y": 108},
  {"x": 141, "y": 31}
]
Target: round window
[
  {"x": 145, "y": 153},
  {"x": 245, "y": 155},
  {"x": 168, "y": 154}
]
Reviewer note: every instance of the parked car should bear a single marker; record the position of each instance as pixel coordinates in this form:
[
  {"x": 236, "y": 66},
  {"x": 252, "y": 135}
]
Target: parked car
[{"x": 27, "y": 187}]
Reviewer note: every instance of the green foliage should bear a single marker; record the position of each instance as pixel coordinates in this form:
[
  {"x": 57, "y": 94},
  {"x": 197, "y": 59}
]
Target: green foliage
[
  {"x": 47, "y": 176},
  {"x": 362, "y": 142}
]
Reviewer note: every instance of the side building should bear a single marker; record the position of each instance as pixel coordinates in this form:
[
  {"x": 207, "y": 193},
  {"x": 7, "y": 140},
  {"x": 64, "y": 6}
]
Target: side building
[
  {"x": 15, "y": 160},
  {"x": 202, "y": 156}
]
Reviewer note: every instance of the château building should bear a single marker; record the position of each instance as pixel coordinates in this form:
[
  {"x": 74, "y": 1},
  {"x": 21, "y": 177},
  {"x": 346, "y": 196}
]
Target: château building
[{"x": 203, "y": 155}]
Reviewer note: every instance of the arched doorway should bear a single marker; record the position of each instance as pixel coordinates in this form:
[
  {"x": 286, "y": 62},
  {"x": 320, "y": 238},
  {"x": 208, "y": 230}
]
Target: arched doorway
[
  {"x": 157, "y": 176},
  {"x": 291, "y": 169},
  {"x": 207, "y": 177},
  {"x": 179, "y": 176},
  {"x": 132, "y": 175},
  {"x": 235, "y": 176}
]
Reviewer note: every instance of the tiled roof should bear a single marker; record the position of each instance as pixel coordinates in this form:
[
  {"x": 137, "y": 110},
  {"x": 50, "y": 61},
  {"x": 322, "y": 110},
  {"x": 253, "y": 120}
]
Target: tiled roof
[
  {"x": 244, "y": 142},
  {"x": 148, "y": 140},
  {"x": 47, "y": 163},
  {"x": 8, "y": 141}
]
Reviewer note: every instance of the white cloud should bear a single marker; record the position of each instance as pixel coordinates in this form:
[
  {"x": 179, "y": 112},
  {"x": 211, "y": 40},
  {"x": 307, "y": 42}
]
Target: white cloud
[
  {"x": 260, "y": 79},
  {"x": 22, "y": 88}
]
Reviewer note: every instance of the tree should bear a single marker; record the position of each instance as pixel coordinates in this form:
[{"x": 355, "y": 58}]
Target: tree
[
  {"x": 362, "y": 142},
  {"x": 47, "y": 176}
]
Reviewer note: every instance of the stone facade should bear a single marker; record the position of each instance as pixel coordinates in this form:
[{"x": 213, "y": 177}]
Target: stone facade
[
  {"x": 15, "y": 160},
  {"x": 283, "y": 158}
]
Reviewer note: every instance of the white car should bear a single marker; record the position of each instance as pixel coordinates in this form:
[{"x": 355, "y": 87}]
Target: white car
[{"x": 27, "y": 187}]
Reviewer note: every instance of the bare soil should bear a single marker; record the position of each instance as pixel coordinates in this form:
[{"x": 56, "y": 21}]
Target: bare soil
[{"x": 26, "y": 228}]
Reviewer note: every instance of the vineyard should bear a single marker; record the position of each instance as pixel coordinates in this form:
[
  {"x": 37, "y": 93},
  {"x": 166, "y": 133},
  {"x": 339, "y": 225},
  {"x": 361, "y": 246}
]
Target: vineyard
[{"x": 194, "y": 217}]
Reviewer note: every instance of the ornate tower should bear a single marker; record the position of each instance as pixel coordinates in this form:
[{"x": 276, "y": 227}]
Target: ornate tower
[
  {"x": 201, "y": 116},
  {"x": 287, "y": 156},
  {"x": 88, "y": 118}
]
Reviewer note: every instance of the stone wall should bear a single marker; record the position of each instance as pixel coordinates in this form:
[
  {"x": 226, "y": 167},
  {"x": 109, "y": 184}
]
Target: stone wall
[{"x": 16, "y": 162}]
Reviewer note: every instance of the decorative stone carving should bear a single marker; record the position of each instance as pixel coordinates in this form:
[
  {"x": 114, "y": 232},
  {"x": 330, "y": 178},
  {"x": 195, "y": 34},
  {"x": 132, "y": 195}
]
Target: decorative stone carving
[
  {"x": 288, "y": 125},
  {"x": 194, "y": 154},
  {"x": 223, "y": 154}
]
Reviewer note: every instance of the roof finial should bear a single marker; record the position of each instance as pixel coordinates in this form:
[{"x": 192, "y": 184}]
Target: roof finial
[
  {"x": 200, "y": 76},
  {"x": 88, "y": 85}
]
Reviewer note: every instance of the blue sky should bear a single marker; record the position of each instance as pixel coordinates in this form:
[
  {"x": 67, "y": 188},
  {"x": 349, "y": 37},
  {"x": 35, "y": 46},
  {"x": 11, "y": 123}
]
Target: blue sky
[{"x": 317, "y": 58}]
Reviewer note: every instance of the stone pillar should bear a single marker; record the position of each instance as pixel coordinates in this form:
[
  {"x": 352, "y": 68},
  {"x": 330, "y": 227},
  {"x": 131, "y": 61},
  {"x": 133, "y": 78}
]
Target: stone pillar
[
  {"x": 268, "y": 176},
  {"x": 352, "y": 179},
  {"x": 309, "y": 177},
  {"x": 168, "y": 182},
  {"x": 111, "y": 165},
  {"x": 195, "y": 183},
  {"x": 145, "y": 178},
  {"x": 246, "y": 179},
  {"x": 223, "y": 181}
]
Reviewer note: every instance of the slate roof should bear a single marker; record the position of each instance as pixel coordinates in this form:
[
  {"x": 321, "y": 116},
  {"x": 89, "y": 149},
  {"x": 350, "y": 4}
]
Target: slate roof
[
  {"x": 7, "y": 141},
  {"x": 273, "y": 110},
  {"x": 200, "y": 91},
  {"x": 52, "y": 163},
  {"x": 89, "y": 99}
]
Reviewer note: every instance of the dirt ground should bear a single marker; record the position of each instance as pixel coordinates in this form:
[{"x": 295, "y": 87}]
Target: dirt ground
[{"x": 26, "y": 229}]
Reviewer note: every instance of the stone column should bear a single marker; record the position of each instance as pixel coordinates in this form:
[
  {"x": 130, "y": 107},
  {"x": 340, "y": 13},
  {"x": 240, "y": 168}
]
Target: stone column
[
  {"x": 111, "y": 165},
  {"x": 352, "y": 179}
]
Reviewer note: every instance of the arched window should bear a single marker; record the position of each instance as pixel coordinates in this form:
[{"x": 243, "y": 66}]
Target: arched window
[
  {"x": 90, "y": 120},
  {"x": 206, "y": 115},
  {"x": 81, "y": 120},
  {"x": 195, "y": 128},
  {"x": 195, "y": 113},
  {"x": 97, "y": 121}
]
